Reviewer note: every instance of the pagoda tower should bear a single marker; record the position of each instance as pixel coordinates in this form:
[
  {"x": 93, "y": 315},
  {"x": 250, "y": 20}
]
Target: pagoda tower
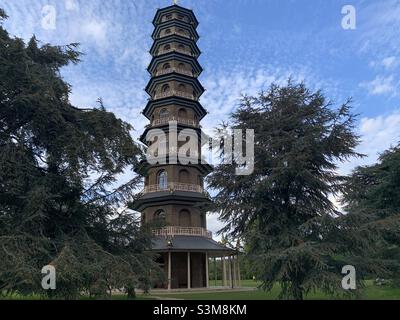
[{"x": 173, "y": 193}]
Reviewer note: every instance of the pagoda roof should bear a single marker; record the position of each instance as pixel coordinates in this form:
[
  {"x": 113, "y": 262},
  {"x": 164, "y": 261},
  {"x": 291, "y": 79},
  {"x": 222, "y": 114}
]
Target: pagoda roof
[
  {"x": 174, "y": 8},
  {"x": 175, "y": 38},
  {"x": 191, "y": 243},
  {"x": 175, "y": 100},
  {"x": 175, "y": 55}
]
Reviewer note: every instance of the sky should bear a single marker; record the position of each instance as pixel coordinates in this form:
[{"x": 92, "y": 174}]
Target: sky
[{"x": 246, "y": 45}]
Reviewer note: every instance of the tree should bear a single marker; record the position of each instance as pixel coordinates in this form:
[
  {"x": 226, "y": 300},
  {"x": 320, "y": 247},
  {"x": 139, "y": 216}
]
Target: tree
[
  {"x": 372, "y": 199},
  {"x": 283, "y": 210},
  {"x": 59, "y": 165}
]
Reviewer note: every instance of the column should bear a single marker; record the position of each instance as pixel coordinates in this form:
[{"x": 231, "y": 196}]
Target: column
[
  {"x": 224, "y": 282},
  {"x": 238, "y": 270},
  {"x": 230, "y": 272},
  {"x": 169, "y": 270},
  {"x": 189, "y": 277},
  {"x": 234, "y": 271},
  {"x": 215, "y": 272},
  {"x": 207, "y": 276}
]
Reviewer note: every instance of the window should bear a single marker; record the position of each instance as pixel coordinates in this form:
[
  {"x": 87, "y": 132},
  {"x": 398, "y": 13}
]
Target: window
[
  {"x": 168, "y": 31},
  {"x": 184, "y": 218},
  {"x": 167, "y": 47},
  {"x": 160, "y": 215},
  {"x": 168, "y": 17},
  {"x": 167, "y": 66},
  {"x": 164, "y": 113},
  {"x": 182, "y": 87},
  {"x": 162, "y": 180},
  {"x": 182, "y": 113},
  {"x": 184, "y": 176},
  {"x": 165, "y": 88},
  {"x": 181, "y": 47},
  {"x": 181, "y": 66},
  {"x": 181, "y": 17}
]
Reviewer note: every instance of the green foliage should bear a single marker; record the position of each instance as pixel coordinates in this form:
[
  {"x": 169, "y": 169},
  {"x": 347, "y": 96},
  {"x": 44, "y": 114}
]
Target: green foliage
[
  {"x": 283, "y": 209},
  {"x": 58, "y": 168},
  {"x": 372, "y": 199}
]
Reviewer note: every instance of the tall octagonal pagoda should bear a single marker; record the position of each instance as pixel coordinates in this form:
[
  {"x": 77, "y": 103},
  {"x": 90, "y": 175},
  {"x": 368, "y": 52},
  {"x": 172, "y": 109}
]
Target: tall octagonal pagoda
[{"x": 174, "y": 192}]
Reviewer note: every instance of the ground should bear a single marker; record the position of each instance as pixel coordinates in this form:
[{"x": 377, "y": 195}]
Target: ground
[{"x": 371, "y": 292}]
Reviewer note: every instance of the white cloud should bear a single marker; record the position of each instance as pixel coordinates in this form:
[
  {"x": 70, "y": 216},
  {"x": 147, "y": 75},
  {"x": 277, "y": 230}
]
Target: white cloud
[
  {"x": 94, "y": 30},
  {"x": 377, "y": 134},
  {"x": 380, "y": 85},
  {"x": 389, "y": 62}
]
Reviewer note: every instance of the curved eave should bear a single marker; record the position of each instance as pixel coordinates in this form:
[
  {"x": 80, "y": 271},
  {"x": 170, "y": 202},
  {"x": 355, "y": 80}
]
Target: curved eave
[
  {"x": 180, "y": 101},
  {"x": 192, "y": 244},
  {"x": 182, "y": 78},
  {"x": 175, "y": 55},
  {"x": 176, "y": 23},
  {"x": 167, "y": 197},
  {"x": 204, "y": 168},
  {"x": 172, "y": 9},
  {"x": 177, "y": 38},
  {"x": 165, "y": 128}
]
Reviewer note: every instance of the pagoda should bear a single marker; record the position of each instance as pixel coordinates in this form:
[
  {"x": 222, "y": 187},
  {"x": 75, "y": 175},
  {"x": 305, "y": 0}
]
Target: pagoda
[{"x": 174, "y": 192}]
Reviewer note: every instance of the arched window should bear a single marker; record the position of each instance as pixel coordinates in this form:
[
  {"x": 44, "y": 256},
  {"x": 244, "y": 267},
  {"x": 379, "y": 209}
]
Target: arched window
[
  {"x": 182, "y": 87},
  {"x": 168, "y": 17},
  {"x": 168, "y": 31},
  {"x": 167, "y": 47},
  {"x": 184, "y": 218},
  {"x": 162, "y": 179},
  {"x": 181, "y": 66},
  {"x": 160, "y": 215},
  {"x": 164, "y": 113},
  {"x": 182, "y": 113},
  {"x": 181, "y": 17},
  {"x": 184, "y": 176},
  {"x": 166, "y": 66},
  {"x": 181, "y": 31},
  {"x": 203, "y": 220},
  {"x": 165, "y": 88},
  {"x": 181, "y": 47}
]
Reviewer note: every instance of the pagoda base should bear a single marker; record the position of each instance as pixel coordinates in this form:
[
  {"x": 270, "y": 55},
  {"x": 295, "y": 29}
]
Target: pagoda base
[{"x": 185, "y": 261}]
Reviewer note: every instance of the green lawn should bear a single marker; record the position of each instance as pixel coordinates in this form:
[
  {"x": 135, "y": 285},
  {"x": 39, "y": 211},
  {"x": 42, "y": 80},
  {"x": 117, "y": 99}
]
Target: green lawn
[{"x": 371, "y": 292}]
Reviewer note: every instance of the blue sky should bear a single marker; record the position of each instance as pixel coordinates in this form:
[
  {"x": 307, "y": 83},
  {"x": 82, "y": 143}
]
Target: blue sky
[{"x": 246, "y": 45}]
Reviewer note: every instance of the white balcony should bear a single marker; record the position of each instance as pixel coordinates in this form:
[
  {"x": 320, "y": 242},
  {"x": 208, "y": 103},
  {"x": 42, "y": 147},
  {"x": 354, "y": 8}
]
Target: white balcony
[
  {"x": 173, "y": 186},
  {"x": 176, "y": 94},
  {"x": 186, "y": 52},
  {"x": 171, "y": 70},
  {"x": 182, "y": 231},
  {"x": 167, "y": 120}
]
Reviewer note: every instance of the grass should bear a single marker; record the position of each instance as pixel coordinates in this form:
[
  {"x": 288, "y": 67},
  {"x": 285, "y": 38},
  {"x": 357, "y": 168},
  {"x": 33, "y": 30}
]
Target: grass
[{"x": 371, "y": 292}]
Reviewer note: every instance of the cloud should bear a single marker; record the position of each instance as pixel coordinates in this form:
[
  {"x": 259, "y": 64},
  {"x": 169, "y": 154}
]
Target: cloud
[
  {"x": 389, "y": 62},
  {"x": 96, "y": 31},
  {"x": 380, "y": 86},
  {"x": 377, "y": 134}
]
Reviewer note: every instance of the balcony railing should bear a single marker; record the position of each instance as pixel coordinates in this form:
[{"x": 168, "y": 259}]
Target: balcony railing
[
  {"x": 182, "y": 231},
  {"x": 173, "y": 186},
  {"x": 178, "y": 70},
  {"x": 176, "y": 33},
  {"x": 175, "y": 93},
  {"x": 187, "y": 52},
  {"x": 166, "y": 120}
]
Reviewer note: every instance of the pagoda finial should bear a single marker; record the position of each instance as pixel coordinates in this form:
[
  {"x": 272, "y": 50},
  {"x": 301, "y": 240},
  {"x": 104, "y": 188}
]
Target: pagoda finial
[{"x": 175, "y": 2}]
